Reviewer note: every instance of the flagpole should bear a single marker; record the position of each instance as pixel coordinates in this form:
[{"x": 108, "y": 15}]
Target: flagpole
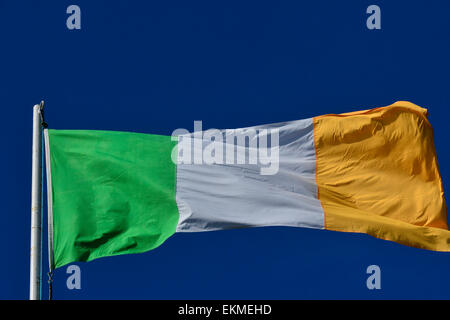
[{"x": 36, "y": 186}]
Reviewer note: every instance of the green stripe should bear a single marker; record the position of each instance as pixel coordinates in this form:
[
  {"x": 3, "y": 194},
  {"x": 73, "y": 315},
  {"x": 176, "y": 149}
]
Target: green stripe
[{"x": 113, "y": 193}]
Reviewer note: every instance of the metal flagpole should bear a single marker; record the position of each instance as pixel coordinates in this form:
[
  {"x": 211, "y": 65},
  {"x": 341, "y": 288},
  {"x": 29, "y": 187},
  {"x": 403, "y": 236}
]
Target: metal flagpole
[{"x": 36, "y": 214}]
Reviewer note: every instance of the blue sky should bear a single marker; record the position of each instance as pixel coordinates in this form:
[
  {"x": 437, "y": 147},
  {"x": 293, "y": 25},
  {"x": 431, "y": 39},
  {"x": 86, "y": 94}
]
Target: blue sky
[{"x": 153, "y": 67}]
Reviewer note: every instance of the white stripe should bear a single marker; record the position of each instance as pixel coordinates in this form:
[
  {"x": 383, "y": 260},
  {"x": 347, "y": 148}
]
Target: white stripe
[{"x": 224, "y": 196}]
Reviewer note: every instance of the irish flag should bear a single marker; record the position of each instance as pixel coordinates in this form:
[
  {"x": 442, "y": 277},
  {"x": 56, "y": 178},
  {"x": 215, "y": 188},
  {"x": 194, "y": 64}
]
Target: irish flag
[{"x": 372, "y": 171}]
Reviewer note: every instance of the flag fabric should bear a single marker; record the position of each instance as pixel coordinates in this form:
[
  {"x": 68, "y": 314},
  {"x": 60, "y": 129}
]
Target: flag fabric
[{"x": 372, "y": 171}]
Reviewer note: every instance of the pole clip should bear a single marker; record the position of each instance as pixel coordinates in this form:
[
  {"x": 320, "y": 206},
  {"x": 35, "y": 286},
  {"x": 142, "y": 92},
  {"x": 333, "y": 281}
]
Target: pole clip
[
  {"x": 41, "y": 112},
  {"x": 50, "y": 285}
]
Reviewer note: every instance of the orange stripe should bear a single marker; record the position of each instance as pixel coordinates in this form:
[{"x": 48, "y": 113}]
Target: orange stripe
[{"x": 377, "y": 173}]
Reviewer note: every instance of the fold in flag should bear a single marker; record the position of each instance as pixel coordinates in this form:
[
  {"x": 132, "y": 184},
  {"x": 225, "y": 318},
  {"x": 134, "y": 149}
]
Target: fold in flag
[{"x": 372, "y": 171}]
